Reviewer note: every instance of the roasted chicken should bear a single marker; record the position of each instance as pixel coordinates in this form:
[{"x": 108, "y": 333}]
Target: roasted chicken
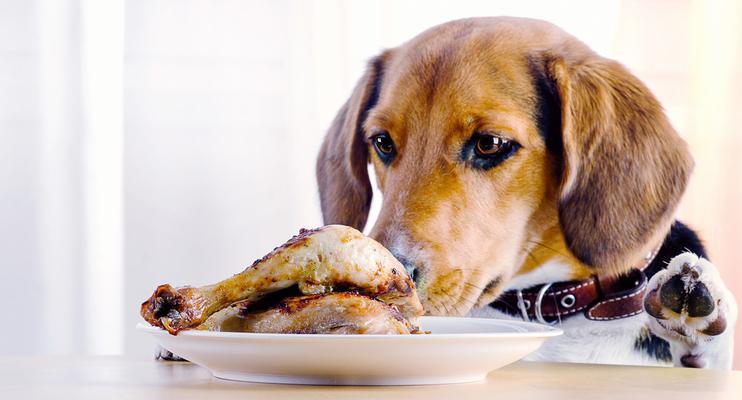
[
  {"x": 334, "y": 280},
  {"x": 337, "y": 313}
]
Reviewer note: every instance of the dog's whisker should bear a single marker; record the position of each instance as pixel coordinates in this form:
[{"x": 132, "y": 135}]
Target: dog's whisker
[
  {"x": 469, "y": 301},
  {"x": 474, "y": 286},
  {"x": 457, "y": 306},
  {"x": 447, "y": 298},
  {"x": 444, "y": 298},
  {"x": 465, "y": 298},
  {"x": 530, "y": 255},
  {"x": 468, "y": 269},
  {"x": 547, "y": 247}
]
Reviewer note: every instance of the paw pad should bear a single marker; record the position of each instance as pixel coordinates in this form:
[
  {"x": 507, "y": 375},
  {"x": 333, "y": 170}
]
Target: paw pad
[{"x": 685, "y": 293}]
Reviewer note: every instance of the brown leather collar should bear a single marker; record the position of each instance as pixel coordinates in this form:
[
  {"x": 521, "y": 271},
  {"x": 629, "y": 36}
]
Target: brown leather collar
[{"x": 599, "y": 298}]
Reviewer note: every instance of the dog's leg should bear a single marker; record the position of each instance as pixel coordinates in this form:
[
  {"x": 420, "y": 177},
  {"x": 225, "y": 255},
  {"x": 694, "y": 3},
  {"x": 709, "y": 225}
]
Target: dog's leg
[{"x": 689, "y": 306}]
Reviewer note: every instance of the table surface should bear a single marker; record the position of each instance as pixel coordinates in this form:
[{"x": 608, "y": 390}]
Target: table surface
[{"x": 119, "y": 377}]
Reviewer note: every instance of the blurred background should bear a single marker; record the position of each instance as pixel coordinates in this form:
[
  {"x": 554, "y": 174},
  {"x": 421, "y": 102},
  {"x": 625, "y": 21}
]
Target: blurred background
[{"x": 149, "y": 141}]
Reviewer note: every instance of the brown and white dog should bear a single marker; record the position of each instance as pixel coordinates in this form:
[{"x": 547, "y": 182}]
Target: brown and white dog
[{"x": 522, "y": 173}]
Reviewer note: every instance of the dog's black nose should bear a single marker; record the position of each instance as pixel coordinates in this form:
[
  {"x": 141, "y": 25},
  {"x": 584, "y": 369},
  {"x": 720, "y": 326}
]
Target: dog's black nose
[
  {"x": 408, "y": 266},
  {"x": 413, "y": 273}
]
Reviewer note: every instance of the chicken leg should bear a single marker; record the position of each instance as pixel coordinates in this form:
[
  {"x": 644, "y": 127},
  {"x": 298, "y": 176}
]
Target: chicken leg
[{"x": 333, "y": 258}]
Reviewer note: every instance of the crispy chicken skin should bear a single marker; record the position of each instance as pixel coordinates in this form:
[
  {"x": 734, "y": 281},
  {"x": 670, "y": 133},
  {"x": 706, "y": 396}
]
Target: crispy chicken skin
[
  {"x": 334, "y": 313},
  {"x": 334, "y": 258}
]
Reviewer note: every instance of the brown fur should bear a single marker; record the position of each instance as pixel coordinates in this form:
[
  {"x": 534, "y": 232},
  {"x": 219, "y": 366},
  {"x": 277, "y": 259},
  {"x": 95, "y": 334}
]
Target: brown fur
[
  {"x": 345, "y": 193},
  {"x": 595, "y": 183}
]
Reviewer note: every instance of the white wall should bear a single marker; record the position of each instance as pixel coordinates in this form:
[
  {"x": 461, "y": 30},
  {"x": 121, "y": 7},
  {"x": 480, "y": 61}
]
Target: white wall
[
  {"x": 19, "y": 175},
  {"x": 216, "y": 171}
]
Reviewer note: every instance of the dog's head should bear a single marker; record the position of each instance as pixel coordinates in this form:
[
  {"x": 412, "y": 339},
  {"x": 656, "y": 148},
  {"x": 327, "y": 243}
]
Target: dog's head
[{"x": 499, "y": 144}]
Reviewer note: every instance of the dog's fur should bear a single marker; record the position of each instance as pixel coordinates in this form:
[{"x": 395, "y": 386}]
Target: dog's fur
[{"x": 592, "y": 188}]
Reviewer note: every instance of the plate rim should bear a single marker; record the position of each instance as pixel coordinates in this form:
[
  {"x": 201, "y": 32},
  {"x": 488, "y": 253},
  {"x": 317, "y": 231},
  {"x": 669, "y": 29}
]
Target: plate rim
[{"x": 535, "y": 330}]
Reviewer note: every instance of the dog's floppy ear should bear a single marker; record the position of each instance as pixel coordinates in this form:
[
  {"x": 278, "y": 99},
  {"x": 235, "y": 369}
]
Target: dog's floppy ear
[
  {"x": 342, "y": 174},
  {"x": 624, "y": 166}
]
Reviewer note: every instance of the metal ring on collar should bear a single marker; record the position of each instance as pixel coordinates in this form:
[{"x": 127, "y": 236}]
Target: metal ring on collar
[
  {"x": 539, "y": 298},
  {"x": 522, "y": 306},
  {"x": 568, "y": 301}
]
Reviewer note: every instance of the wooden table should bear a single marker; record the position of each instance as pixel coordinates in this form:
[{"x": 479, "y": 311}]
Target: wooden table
[{"x": 108, "y": 378}]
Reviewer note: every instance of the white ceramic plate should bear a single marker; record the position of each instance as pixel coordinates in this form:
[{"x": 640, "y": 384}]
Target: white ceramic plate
[{"x": 457, "y": 350}]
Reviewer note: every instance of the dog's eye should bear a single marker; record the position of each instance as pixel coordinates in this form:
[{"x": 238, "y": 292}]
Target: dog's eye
[
  {"x": 384, "y": 147},
  {"x": 485, "y": 150},
  {"x": 487, "y": 145}
]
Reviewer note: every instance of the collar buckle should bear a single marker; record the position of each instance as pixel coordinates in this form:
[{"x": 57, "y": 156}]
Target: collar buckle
[
  {"x": 539, "y": 301},
  {"x": 524, "y": 305}
]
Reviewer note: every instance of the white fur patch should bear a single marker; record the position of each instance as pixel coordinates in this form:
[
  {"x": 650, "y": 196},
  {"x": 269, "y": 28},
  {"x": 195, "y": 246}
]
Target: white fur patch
[
  {"x": 550, "y": 271},
  {"x": 586, "y": 341}
]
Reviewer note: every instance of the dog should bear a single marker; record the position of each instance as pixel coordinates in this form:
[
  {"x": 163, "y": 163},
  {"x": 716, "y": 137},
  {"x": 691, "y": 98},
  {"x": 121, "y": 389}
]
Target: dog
[{"x": 524, "y": 176}]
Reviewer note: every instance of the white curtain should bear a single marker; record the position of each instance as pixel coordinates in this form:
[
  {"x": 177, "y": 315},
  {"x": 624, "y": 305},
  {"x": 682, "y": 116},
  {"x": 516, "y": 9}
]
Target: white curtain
[
  {"x": 62, "y": 133},
  {"x": 159, "y": 141}
]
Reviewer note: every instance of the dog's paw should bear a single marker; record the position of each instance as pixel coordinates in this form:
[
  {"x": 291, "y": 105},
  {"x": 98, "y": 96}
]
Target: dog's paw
[
  {"x": 689, "y": 306},
  {"x": 164, "y": 354}
]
